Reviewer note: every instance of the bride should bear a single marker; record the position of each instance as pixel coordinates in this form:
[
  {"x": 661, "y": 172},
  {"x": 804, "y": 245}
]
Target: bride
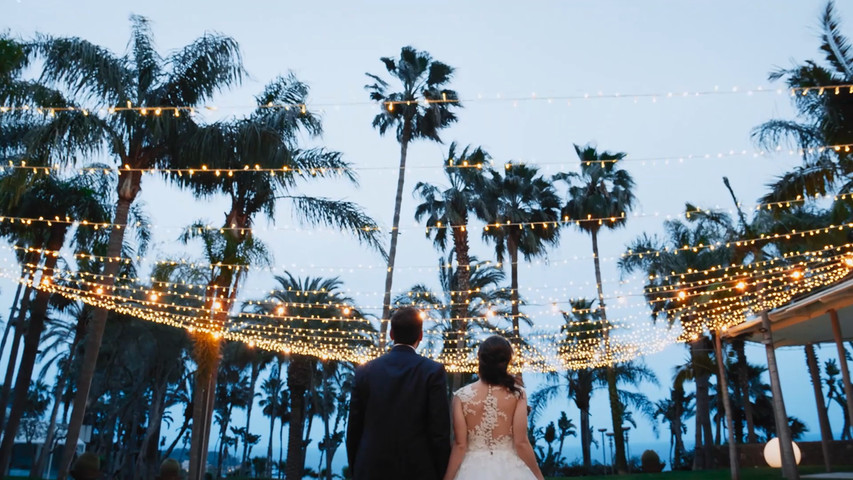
[{"x": 490, "y": 422}]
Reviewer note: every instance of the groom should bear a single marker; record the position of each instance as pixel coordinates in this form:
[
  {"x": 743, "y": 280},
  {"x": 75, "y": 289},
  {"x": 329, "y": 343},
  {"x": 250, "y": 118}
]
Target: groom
[{"x": 399, "y": 421}]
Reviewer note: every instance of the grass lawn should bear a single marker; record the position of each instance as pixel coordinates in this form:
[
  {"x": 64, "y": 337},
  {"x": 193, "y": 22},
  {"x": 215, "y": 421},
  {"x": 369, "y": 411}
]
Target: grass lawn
[{"x": 745, "y": 474}]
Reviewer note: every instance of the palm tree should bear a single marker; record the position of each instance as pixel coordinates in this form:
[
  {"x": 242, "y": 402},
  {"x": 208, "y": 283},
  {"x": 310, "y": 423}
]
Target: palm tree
[
  {"x": 600, "y": 195},
  {"x": 271, "y": 397},
  {"x": 79, "y": 197},
  {"x": 581, "y": 328},
  {"x": 267, "y": 138},
  {"x": 674, "y": 411},
  {"x": 628, "y": 374},
  {"x": 136, "y": 138},
  {"x": 522, "y": 213},
  {"x": 663, "y": 267},
  {"x": 485, "y": 302},
  {"x": 823, "y": 118},
  {"x": 304, "y": 306},
  {"x": 421, "y": 108},
  {"x": 447, "y": 209}
]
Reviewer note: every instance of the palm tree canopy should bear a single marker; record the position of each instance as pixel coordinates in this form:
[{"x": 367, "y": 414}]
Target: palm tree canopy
[
  {"x": 446, "y": 208},
  {"x": 526, "y": 205},
  {"x": 423, "y": 100},
  {"x": 601, "y": 194},
  {"x": 822, "y": 119},
  {"x": 268, "y": 139},
  {"x": 109, "y": 84}
]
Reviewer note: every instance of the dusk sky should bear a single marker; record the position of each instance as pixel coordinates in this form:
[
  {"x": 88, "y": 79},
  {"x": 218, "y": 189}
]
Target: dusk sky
[{"x": 522, "y": 72}]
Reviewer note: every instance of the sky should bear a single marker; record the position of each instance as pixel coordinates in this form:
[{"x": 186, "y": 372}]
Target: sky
[{"x": 656, "y": 55}]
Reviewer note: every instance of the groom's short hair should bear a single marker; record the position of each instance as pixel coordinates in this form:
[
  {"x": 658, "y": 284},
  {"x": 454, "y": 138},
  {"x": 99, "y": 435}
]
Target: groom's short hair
[{"x": 406, "y": 325}]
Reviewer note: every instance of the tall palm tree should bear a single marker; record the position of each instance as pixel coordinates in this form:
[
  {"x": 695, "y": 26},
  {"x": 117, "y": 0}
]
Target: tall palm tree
[
  {"x": 79, "y": 197},
  {"x": 600, "y": 196},
  {"x": 447, "y": 209},
  {"x": 423, "y": 106},
  {"x": 303, "y": 306},
  {"x": 523, "y": 211},
  {"x": 269, "y": 139},
  {"x": 136, "y": 139}
]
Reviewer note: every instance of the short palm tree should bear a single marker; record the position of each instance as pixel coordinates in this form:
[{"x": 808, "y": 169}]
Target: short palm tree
[
  {"x": 271, "y": 405},
  {"x": 454, "y": 332},
  {"x": 302, "y": 307},
  {"x": 419, "y": 110},
  {"x": 522, "y": 214},
  {"x": 600, "y": 196},
  {"x": 161, "y": 93},
  {"x": 662, "y": 292},
  {"x": 581, "y": 332}
]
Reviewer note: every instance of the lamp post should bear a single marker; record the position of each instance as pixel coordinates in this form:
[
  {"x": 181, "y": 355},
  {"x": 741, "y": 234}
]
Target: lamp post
[
  {"x": 603, "y": 450},
  {"x": 627, "y": 446},
  {"x": 610, "y": 443}
]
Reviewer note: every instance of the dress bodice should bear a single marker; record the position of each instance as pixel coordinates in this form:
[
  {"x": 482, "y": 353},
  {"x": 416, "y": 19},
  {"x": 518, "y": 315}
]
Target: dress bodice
[{"x": 488, "y": 411}]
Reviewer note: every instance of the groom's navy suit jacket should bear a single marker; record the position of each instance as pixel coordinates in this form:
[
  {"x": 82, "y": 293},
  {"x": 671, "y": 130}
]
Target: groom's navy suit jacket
[{"x": 399, "y": 422}]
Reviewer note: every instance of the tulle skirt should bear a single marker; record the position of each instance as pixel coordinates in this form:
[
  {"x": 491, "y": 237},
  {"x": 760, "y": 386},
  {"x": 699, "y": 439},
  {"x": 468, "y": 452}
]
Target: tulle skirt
[{"x": 501, "y": 464}]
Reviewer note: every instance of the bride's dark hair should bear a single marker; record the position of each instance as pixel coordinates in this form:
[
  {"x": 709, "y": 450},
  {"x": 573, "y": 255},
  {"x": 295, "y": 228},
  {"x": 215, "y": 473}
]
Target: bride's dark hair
[{"x": 495, "y": 353}]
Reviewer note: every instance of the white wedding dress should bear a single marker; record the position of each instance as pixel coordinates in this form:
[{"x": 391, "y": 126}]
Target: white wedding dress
[{"x": 488, "y": 412}]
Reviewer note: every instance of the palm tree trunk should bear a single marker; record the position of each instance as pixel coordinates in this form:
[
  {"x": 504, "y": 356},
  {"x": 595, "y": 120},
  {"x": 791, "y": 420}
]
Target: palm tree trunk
[
  {"x": 616, "y": 407},
  {"x": 9, "y": 320},
  {"x": 298, "y": 381},
  {"x": 515, "y": 309},
  {"x": 281, "y": 446},
  {"x": 31, "y": 347},
  {"x": 41, "y": 462},
  {"x": 148, "y": 450},
  {"x": 12, "y": 364},
  {"x": 703, "y": 410},
  {"x": 39, "y": 467},
  {"x": 677, "y": 425},
  {"x": 723, "y": 390},
  {"x": 268, "y": 472},
  {"x": 586, "y": 439},
  {"x": 206, "y": 355},
  {"x": 459, "y": 304},
  {"x": 823, "y": 419},
  {"x": 252, "y": 382},
  {"x": 395, "y": 231},
  {"x": 743, "y": 380},
  {"x": 128, "y": 188},
  {"x": 181, "y": 432}
]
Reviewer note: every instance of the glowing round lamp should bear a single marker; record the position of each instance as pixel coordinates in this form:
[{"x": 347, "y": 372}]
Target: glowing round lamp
[{"x": 773, "y": 453}]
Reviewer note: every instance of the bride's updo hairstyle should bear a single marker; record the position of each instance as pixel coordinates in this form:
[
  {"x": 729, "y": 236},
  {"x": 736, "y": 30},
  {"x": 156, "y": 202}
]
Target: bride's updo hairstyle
[{"x": 495, "y": 354}]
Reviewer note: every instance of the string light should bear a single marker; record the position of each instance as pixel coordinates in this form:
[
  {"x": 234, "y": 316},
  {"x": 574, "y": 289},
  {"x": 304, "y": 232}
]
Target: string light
[{"x": 391, "y": 105}]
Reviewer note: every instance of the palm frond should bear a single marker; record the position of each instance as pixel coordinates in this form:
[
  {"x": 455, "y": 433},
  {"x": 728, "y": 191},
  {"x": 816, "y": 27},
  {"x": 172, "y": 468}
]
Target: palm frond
[{"x": 341, "y": 214}]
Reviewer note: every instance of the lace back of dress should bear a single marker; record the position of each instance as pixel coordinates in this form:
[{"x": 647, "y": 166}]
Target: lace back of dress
[{"x": 488, "y": 411}]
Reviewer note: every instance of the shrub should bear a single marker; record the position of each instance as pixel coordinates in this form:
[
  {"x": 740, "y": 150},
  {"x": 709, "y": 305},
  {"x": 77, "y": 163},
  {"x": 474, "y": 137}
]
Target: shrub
[{"x": 650, "y": 462}]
